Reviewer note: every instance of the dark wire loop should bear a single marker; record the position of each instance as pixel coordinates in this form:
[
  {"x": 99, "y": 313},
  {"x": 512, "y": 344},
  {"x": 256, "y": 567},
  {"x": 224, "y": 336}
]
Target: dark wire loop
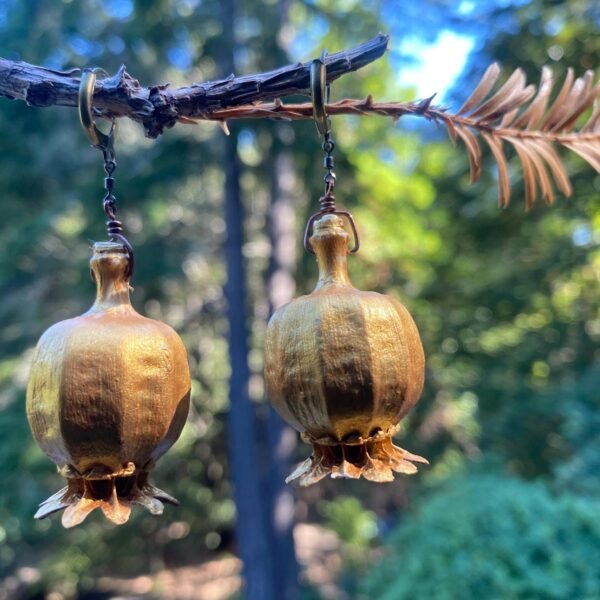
[
  {"x": 118, "y": 237},
  {"x": 341, "y": 213},
  {"x": 105, "y": 143}
]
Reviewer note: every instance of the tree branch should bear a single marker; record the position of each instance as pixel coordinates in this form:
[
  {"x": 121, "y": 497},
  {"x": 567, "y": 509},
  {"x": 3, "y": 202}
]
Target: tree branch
[
  {"x": 513, "y": 115},
  {"x": 157, "y": 107},
  {"x": 348, "y": 106}
]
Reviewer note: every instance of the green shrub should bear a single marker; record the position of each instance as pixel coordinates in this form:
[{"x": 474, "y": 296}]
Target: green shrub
[
  {"x": 491, "y": 537},
  {"x": 354, "y": 525}
]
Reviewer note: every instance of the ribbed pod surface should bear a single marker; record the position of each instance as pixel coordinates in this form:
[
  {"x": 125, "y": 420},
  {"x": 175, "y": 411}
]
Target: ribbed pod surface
[
  {"x": 108, "y": 395},
  {"x": 343, "y": 366}
]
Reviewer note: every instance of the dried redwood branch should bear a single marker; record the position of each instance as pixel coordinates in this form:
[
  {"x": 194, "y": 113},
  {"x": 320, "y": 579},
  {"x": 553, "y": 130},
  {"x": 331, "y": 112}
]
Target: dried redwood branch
[
  {"x": 514, "y": 113},
  {"x": 158, "y": 106},
  {"x": 531, "y": 125}
]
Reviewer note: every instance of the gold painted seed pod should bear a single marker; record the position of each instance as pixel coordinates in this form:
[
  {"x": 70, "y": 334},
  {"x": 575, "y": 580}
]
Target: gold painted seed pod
[
  {"x": 108, "y": 395},
  {"x": 343, "y": 367}
]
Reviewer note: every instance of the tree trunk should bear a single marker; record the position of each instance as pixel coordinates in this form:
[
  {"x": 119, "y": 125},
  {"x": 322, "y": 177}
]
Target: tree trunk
[
  {"x": 251, "y": 529},
  {"x": 282, "y": 438}
]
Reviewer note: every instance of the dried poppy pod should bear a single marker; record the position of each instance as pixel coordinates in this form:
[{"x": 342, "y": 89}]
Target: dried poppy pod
[
  {"x": 108, "y": 395},
  {"x": 343, "y": 367}
]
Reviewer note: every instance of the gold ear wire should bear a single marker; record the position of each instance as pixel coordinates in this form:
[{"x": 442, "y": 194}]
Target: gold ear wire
[
  {"x": 318, "y": 79},
  {"x": 86, "y": 93}
]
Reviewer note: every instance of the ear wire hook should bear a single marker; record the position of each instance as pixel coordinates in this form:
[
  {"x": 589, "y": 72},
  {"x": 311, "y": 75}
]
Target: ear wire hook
[
  {"x": 105, "y": 143},
  {"x": 86, "y": 93},
  {"x": 319, "y": 90}
]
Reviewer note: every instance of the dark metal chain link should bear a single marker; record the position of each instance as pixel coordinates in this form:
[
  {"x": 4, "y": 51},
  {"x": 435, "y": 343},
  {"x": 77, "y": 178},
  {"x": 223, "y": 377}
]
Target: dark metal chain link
[
  {"x": 327, "y": 201},
  {"x": 114, "y": 227},
  {"x": 109, "y": 202}
]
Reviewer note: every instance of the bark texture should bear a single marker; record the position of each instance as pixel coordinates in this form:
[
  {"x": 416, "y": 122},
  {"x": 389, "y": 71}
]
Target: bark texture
[{"x": 157, "y": 107}]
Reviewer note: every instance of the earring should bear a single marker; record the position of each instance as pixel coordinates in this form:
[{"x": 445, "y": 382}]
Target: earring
[
  {"x": 109, "y": 390},
  {"x": 342, "y": 366}
]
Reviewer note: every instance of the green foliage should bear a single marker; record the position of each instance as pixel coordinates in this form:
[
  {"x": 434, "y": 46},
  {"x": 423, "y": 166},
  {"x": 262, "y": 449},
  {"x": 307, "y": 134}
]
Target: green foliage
[
  {"x": 496, "y": 538},
  {"x": 354, "y": 525},
  {"x": 580, "y": 433}
]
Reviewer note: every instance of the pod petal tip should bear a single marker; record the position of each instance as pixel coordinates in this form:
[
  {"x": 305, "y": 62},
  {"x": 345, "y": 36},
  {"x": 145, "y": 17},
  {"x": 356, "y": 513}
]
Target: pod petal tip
[
  {"x": 83, "y": 495},
  {"x": 376, "y": 459}
]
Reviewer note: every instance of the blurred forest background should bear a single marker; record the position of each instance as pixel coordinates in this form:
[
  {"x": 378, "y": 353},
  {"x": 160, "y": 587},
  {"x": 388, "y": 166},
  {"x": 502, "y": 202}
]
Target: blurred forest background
[{"x": 506, "y": 302}]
